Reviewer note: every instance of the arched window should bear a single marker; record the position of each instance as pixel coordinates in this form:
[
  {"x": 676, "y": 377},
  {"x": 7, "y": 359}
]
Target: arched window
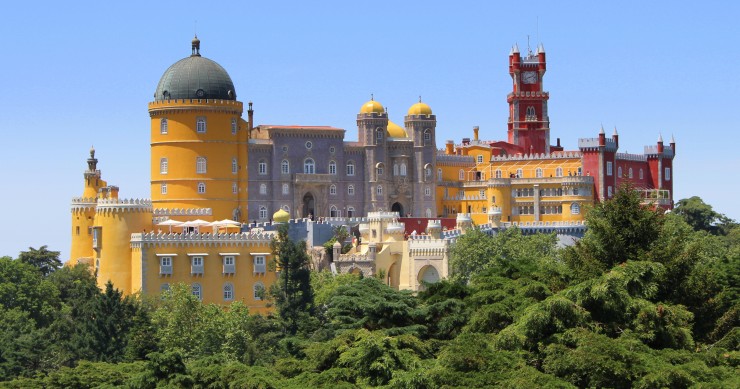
[
  {"x": 538, "y": 172},
  {"x": 427, "y": 191},
  {"x": 559, "y": 172},
  {"x": 332, "y": 189},
  {"x": 439, "y": 174},
  {"x": 285, "y": 167},
  {"x": 333, "y": 211},
  {"x": 519, "y": 173},
  {"x": 234, "y": 166},
  {"x": 629, "y": 172},
  {"x": 498, "y": 173},
  {"x": 200, "y": 125},
  {"x": 379, "y": 134},
  {"x": 163, "y": 126},
  {"x": 461, "y": 175},
  {"x": 234, "y": 188},
  {"x": 228, "y": 291},
  {"x": 429, "y": 212},
  {"x": 531, "y": 114},
  {"x": 379, "y": 190},
  {"x": 286, "y": 189},
  {"x": 427, "y": 136},
  {"x": 333, "y": 168},
  {"x": 201, "y": 187},
  {"x": 309, "y": 167},
  {"x": 619, "y": 172},
  {"x": 197, "y": 291},
  {"x": 579, "y": 171},
  {"x": 262, "y": 167},
  {"x": 258, "y": 291},
  {"x": 395, "y": 169},
  {"x": 350, "y": 211},
  {"x": 263, "y": 189},
  {"x": 575, "y": 209},
  {"x": 233, "y": 126},
  {"x": 379, "y": 169},
  {"x": 351, "y": 190},
  {"x": 263, "y": 212},
  {"x": 403, "y": 169},
  {"x": 201, "y": 165},
  {"x": 163, "y": 166},
  {"x": 350, "y": 168},
  {"x": 163, "y": 188},
  {"x": 641, "y": 176}
]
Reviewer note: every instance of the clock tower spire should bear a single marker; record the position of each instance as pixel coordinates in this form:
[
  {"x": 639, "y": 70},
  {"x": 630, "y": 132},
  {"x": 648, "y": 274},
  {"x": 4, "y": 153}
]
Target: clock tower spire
[{"x": 529, "y": 124}]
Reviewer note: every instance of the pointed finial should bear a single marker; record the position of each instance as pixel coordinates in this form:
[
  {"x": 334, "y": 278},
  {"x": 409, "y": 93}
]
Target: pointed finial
[
  {"x": 92, "y": 151},
  {"x": 660, "y": 138},
  {"x": 602, "y": 129},
  {"x": 516, "y": 47},
  {"x": 542, "y": 48},
  {"x": 511, "y": 52},
  {"x": 673, "y": 140},
  {"x": 195, "y": 47},
  {"x": 372, "y": 97},
  {"x": 615, "y": 130},
  {"x": 420, "y": 98}
]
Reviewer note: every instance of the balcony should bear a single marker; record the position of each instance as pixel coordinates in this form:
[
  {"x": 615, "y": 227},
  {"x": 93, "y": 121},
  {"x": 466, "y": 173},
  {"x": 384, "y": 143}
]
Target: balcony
[
  {"x": 196, "y": 270},
  {"x": 659, "y": 197},
  {"x": 229, "y": 269},
  {"x": 303, "y": 178},
  {"x": 165, "y": 270}
]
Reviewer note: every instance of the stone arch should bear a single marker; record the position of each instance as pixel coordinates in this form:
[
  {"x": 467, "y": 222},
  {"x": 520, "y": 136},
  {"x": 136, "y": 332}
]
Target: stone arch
[
  {"x": 427, "y": 274},
  {"x": 398, "y": 207},
  {"x": 308, "y": 205}
]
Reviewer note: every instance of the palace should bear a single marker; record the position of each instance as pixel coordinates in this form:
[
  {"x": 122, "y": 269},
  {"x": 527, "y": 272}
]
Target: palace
[{"x": 222, "y": 182}]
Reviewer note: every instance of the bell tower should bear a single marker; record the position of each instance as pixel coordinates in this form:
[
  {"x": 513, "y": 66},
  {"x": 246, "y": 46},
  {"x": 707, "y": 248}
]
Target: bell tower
[{"x": 529, "y": 123}]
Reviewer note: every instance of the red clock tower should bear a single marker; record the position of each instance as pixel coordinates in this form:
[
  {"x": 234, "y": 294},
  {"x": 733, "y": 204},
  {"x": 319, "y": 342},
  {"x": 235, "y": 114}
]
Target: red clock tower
[{"x": 529, "y": 124}]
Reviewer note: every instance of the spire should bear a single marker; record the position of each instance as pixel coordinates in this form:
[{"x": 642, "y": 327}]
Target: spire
[
  {"x": 602, "y": 130},
  {"x": 196, "y": 47},
  {"x": 511, "y": 52},
  {"x": 673, "y": 140},
  {"x": 516, "y": 48},
  {"x": 372, "y": 97},
  {"x": 541, "y": 48},
  {"x": 660, "y": 138},
  {"x": 92, "y": 162},
  {"x": 420, "y": 98},
  {"x": 615, "y": 130}
]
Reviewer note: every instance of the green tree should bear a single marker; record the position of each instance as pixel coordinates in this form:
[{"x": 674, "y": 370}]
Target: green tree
[
  {"x": 702, "y": 217},
  {"x": 46, "y": 261},
  {"x": 292, "y": 292}
]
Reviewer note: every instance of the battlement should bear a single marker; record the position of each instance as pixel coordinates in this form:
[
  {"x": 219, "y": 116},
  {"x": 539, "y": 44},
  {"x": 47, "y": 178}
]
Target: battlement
[
  {"x": 380, "y": 216},
  {"x": 163, "y": 105},
  {"x": 245, "y": 239},
  {"x": 160, "y": 212},
  {"x": 427, "y": 244},
  {"x": 353, "y": 258},
  {"x": 123, "y": 205},
  {"x": 653, "y": 151},
  {"x": 593, "y": 144},
  {"x": 536, "y": 156},
  {"x": 83, "y": 204},
  {"x": 451, "y": 159},
  {"x": 631, "y": 157}
]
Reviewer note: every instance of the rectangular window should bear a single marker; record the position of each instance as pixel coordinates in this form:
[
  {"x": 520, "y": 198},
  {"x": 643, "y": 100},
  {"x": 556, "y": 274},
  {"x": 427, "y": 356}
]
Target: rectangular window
[
  {"x": 427, "y": 191},
  {"x": 229, "y": 264},
  {"x": 667, "y": 174},
  {"x": 480, "y": 159},
  {"x": 262, "y": 167},
  {"x": 609, "y": 191},
  {"x": 163, "y": 166},
  {"x": 165, "y": 265},
  {"x": 196, "y": 265},
  {"x": 482, "y": 193},
  {"x": 77, "y": 230},
  {"x": 608, "y": 168},
  {"x": 234, "y": 188},
  {"x": 351, "y": 190},
  {"x": 350, "y": 169},
  {"x": 286, "y": 189},
  {"x": 233, "y": 126},
  {"x": 234, "y": 166},
  {"x": 163, "y": 126},
  {"x": 259, "y": 264},
  {"x": 200, "y": 125},
  {"x": 163, "y": 188}
]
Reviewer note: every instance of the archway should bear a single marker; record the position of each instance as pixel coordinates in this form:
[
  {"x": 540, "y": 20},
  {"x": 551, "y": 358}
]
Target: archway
[
  {"x": 428, "y": 274},
  {"x": 397, "y": 207},
  {"x": 308, "y": 206}
]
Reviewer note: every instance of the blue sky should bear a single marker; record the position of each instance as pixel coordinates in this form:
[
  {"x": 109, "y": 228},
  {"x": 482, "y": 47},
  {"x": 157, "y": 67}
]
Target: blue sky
[{"x": 81, "y": 74}]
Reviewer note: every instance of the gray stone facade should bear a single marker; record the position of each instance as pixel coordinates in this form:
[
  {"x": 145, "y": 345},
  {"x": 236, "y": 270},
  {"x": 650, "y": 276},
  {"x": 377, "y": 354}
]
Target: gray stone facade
[{"x": 313, "y": 172}]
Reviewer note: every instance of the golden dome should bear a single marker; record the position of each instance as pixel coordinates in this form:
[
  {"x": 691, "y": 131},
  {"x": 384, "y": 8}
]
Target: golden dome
[
  {"x": 281, "y": 216},
  {"x": 420, "y": 109},
  {"x": 372, "y": 106},
  {"x": 396, "y": 131}
]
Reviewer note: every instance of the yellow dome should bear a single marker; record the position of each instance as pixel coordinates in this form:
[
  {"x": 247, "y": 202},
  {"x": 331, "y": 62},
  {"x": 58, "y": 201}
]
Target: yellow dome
[
  {"x": 372, "y": 106},
  {"x": 420, "y": 109},
  {"x": 281, "y": 216},
  {"x": 396, "y": 131}
]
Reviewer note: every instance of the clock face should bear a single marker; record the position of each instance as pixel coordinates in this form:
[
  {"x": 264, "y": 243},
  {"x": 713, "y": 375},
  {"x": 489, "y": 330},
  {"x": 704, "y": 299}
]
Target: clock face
[{"x": 529, "y": 77}]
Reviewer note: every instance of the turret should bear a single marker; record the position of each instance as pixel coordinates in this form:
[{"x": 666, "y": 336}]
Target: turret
[
  {"x": 615, "y": 136},
  {"x": 673, "y": 145},
  {"x": 434, "y": 228},
  {"x": 475, "y": 132},
  {"x": 450, "y": 147},
  {"x": 660, "y": 143},
  {"x": 602, "y": 137},
  {"x": 464, "y": 221},
  {"x": 542, "y": 65}
]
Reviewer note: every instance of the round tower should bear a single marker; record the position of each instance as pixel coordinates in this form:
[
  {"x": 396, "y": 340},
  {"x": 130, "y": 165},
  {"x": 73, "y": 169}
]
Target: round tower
[
  {"x": 198, "y": 139},
  {"x": 115, "y": 221},
  {"x": 372, "y": 131},
  {"x": 421, "y": 124}
]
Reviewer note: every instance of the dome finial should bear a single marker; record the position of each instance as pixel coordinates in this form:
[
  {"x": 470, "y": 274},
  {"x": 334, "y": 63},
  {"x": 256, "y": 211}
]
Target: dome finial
[
  {"x": 420, "y": 98},
  {"x": 92, "y": 151},
  {"x": 372, "y": 97},
  {"x": 196, "y": 46}
]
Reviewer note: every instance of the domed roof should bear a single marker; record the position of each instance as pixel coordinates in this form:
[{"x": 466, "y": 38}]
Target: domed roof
[
  {"x": 195, "y": 77},
  {"x": 372, "y": 106},
  {"x": 396, "y": 131},
  {"x": 281, "y": 216},
  {"x": 420, "y": 109}
]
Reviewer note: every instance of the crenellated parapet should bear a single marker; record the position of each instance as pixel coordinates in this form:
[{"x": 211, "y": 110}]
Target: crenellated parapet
[
  {"x": 81, "y": 204},
  {"x": 427, "y": 245},
  {"x": 382, "y": 216},
  {"x": 161, "y": 239},
  {"x": 168, "y": 212},
  {"x": 123, "y": 205},
  {"x": 164, "y": 107}
]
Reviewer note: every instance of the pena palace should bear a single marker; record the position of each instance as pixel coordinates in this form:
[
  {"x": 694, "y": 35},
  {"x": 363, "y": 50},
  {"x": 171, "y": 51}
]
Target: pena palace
[{"x": 221, "y": 183}]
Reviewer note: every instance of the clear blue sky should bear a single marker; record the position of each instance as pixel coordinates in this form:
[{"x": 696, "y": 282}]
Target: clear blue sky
[{"x": 81, "y": 74}]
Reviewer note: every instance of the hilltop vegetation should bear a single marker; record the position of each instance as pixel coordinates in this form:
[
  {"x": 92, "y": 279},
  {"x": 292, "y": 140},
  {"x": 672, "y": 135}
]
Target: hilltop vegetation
[{"x": 645, "y": 299}]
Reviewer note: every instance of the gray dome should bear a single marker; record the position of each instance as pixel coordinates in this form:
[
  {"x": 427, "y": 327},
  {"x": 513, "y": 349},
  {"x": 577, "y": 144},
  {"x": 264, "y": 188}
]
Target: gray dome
[{"x": 195, "y": 77}]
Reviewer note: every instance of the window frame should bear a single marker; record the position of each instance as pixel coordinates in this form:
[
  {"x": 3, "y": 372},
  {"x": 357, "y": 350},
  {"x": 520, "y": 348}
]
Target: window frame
[
  {"x": 201, "y": 125},
  {"x": 350, "y": 168},
  {"x": 163, "y": 126},
  {"x": 201, "y": 188},
  {"x": 309, "y": 166},
  {"x": 164, "y": 165},
  {"x": 285, "y": 167},
  {"x": 201, "y": 165}
]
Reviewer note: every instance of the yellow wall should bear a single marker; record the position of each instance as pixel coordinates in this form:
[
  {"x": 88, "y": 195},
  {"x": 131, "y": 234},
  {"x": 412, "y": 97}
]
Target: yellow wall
[{"x": 182, "y": 144}]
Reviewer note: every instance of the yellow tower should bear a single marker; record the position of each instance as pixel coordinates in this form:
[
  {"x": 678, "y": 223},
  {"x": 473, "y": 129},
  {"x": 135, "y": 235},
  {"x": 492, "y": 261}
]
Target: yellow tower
[
  {"x": 83, "y": 214},
  {"x": 198, "y": 140}
]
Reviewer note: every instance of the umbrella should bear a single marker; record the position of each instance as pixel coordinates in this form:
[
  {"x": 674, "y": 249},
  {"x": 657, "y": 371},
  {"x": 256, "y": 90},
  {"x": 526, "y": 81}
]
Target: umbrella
[
  {"x": 170, "y": 223},
  {"x": 194, "y": 223},
  {"x": 224, "y": 223}
]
